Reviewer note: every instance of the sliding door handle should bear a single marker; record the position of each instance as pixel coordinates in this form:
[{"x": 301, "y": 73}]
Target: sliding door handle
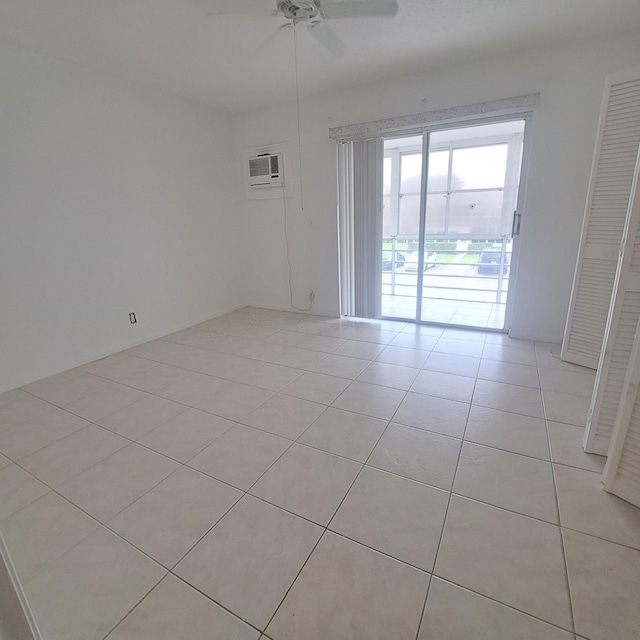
[{"x": 515, "y": 224}]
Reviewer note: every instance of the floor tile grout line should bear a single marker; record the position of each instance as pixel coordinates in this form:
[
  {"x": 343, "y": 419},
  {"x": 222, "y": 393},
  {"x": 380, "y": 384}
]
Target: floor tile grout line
[
  {"x": 289, "y": 346},
  {"x": 377, "y": 551},
  {"x": 608, "y": 540},
  {"x": 182, "y": 368},
  {"x": 527, "y": 415},
  {"x": 101, "y": 525},
  {"x": 573, "y": 466},
  {"x": 444, "y": 522},
  {"x": 217, "y": 377},
  {"x": 209, "y": 598},
  {"x": 156, "y": 395},
  {"x": 505, "y": 509},
  {"x": 21, "y": 460},
  {"x": 168, "y": 570},
  {"x": 190, "y": 406},
  {"x": 180, "y": 464},
  {"x": 504, "y": 604},
  {"x": 113, "y": 454},
  {"x": 513, "y": 453},
  {"x": 206, "y": 533},
  {"x": 502, "y": 449},
  {"x": 340, "y": 504},
  {"x": 184, "y": 464},
  {"x": 126, "y": 615},
  {"x": 210, "y": 375},
  {"x": 245, "y": 492},
  {"x": 326, "y": 527},
  {"x": 304, "y": 564},
  {"x": 105, "y": 524},
  {"x": 129, "y": 442},
  {"x": 48, "y": 443},
  {"x": 557, "y": 501},
  {"x": 77, "y": 415},
  {"x": 365, "y": 462},
  {"x": 236, "y": 422}
]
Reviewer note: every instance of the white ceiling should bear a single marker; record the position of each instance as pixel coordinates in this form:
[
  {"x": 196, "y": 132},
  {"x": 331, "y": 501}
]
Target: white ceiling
[{"x": 232, "y": 63}]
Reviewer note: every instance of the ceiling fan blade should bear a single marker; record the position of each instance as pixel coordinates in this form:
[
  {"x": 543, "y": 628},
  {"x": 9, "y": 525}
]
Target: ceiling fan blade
[
  {"x": 269, "y": 41},
  {"x": 241, "y": 7},
  {"x": 360, "y": 9},
  {"x": 326, "y": 37}
]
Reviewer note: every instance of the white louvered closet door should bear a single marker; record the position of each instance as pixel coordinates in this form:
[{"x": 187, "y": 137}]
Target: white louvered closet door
[
  {"x": 622, "y": 473},
  {"x": 620, "y": 333},
  {"x": 605, "y": 214}
]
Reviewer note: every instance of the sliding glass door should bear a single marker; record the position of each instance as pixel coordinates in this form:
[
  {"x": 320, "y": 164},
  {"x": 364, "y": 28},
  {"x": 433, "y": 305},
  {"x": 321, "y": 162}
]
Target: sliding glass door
[
  {"x": 402, "y": 189},
  {"x": 449, "y": 199}
]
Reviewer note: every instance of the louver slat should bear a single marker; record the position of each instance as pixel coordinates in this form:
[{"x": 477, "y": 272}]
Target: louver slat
[
  {"x": 610, "y": 380},
  {"x": 622, "y": 473},
  {"x": 627, "y": 478},
  {"x": 605, "y": 214},
  {"x": 620, "y": 335},
  {"x": 590, "y": 304}
]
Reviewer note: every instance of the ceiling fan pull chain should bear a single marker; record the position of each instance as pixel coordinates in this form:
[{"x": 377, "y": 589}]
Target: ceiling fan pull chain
[{"x": 295, "y": 59}]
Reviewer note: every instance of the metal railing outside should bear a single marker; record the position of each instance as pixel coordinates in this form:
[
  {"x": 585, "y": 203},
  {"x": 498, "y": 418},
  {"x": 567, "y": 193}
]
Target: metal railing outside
[{"x": 457, "y": 274}]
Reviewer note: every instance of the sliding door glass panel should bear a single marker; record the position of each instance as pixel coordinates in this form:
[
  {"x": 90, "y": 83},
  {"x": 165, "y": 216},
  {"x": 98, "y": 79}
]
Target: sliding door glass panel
[
  {"x": 475, "y": 214},
  {"x": 472, "y": 179},
  {"x": 481, "y": 167},
  {"x": 402, "y": 184},
  {"x": 437, "y": 208},
  {"x": 471, "y": 196}
]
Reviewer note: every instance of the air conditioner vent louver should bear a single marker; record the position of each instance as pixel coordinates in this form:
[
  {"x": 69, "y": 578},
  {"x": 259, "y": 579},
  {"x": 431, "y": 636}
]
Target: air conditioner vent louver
[
  {"x": 265, "y": 171},
  {"x": 259, "y": 167}
]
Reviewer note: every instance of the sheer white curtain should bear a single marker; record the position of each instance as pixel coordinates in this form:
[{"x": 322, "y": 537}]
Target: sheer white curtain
[{"x": 360, "y": 216}]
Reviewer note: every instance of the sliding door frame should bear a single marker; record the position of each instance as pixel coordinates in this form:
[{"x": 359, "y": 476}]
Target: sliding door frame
[
  {"x": 426, "y": 139},
  {"x": 425, "y": 131}
]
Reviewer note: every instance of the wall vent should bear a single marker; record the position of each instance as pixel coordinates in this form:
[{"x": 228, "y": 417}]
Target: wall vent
[{"x": 265, "y": 171}]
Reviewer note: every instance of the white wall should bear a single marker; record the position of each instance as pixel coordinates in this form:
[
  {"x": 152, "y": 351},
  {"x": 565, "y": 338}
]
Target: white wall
[
  {"x": 117, "y": 198},
  {"x": 570, "y": 80},
  {"x": 113, "y": 198}
]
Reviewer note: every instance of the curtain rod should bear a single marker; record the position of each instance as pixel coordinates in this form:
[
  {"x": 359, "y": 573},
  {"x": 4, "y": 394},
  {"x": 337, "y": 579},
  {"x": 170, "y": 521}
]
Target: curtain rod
[{"x": 501, "y": 106}]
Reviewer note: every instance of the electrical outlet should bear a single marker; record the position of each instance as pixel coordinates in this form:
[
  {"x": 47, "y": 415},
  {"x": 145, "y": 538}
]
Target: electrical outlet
[
  {"x": 312, "y": 295},
  {"x": 132, "y": 318}
]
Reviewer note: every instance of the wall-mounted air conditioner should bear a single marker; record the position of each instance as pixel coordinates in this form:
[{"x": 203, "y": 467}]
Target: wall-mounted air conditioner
[{"x": 266, "y": 171}]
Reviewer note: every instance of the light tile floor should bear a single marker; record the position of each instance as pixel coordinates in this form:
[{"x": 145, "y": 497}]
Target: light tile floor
[{"x": 277, "y": 475}]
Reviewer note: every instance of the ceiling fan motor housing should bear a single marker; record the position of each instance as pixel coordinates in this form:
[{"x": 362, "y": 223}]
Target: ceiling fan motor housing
[{"x": 299, "y": 10}]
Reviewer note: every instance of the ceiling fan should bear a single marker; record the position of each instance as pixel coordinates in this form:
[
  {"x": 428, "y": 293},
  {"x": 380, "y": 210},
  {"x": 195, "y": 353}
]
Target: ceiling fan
[{"x": 312, "y": 13}]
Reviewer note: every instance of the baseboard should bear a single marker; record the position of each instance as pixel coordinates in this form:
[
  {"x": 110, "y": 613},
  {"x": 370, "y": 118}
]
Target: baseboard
[
  {"x": 128, "y": 345},
  {"x": 16, "y": 617},
  {"x": 275, "y": 307}
]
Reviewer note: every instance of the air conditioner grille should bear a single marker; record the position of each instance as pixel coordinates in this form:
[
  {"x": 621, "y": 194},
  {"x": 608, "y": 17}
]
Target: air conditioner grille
[
  {"x": 262, "y": 166},
  {"x": 264, "y": 171}
]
